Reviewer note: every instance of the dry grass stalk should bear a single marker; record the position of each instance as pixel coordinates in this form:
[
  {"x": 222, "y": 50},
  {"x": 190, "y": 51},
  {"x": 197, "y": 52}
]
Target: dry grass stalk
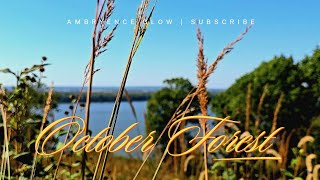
[
  {"x": 248, "y": 107},
  {"x": 133, "y": 110},
  {"x": 99, "y": 43},
  {"x": 202, "y": 78},
  {"x": 190, "y": 96},
  {"x": 284, "y": 147},
  {"x": 5, "y": 155},
  {"x": 3, "y": 160},
  {"x": 226, "y": 50},
  {"x": 166, "y": 150},
  {"x": 276, "y": 112},
  {"x": 69, "y": 128},
  {"x": 309, "y": 177},
  {"x": 98, "y": 46},
  {"x": 202, "y": 175},
  {"x": 186, "y": 163},
  {"x": 142, "y": 22},
  {"x": 189, "y": 99},
  {"x": 203, "y": 94},
  {"x": 44, "y": 120},
  {"x": 264, "y": 94}
]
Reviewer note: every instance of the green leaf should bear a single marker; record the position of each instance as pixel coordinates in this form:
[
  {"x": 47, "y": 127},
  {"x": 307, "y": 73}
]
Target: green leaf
[
  {"x": 21, "y": 154},
  {"x": 75, "y": 175},
  {"x": 33, "y": 68},
  {"x": 76, "y": 164},
  {"x": 217, "y": 165},
  {"x": 6, "y": 70},
  {"x": 64, "y": 172},
  {"x": 32, "y": 121},
  {"x": 59, "y": 146},
  {"x": 48, "y": 167},
  {"x": 30, "y": 143},
  {"x": 287, "y": 173},
  {"x": 61, "y": 133},
  {"x": 298, "y": 178},
  {"x": 65, "y": 164}
]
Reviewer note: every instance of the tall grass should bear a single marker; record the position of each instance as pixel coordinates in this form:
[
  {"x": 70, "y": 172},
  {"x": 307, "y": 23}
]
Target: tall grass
[
  {"x": 46, "y": 111},
  {"x": 5, "y": 164},
  {"x": 142, "y": 21},
  {"x": 99, "y": 42},
  {"x": 196, "y": 92}
]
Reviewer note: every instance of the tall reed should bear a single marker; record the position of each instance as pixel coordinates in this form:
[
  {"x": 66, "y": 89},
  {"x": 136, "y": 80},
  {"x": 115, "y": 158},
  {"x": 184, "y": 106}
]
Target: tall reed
[
  {"x": 98, "y": 46},
  {"x": 189, "y": 98},
  {"x": 203, "y": 94},
  {"x": 5, "y": 156},
  {"x": 142, "y": 22},
  {"x": 100, "y": 40},
  {"x": 46, "y": 111},
  {"x": 248, "y": 107},
  {"x": 261, "y": 100},
  {"x": 276, "y": 112}
]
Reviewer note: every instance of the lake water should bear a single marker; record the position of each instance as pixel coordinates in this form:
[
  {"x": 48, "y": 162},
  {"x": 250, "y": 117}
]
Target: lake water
[{"x": 100, "y": 115}]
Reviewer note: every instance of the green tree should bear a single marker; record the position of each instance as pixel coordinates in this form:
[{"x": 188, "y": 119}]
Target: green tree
[
  {"x": 163, "y": 103},
  {"x": 299, "y": 83}
]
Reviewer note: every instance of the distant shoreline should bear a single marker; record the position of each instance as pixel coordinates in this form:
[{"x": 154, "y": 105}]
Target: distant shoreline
[
  {"x": 108, "y": 94},
  {"x": 64, "y": 97}
]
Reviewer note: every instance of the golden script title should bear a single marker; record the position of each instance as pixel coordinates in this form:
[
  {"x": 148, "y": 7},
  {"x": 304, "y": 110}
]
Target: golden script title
[{"x": 104, "y": 142}]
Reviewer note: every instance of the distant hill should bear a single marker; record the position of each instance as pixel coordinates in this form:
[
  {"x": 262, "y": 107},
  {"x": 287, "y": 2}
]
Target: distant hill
[
  {"x": 108, "y": 94},
  {"x": 115, "y": 89}
]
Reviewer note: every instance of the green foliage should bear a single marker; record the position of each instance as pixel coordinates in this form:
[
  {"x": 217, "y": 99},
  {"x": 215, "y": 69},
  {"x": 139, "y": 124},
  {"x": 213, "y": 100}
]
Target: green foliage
[
  {"x": 20, "y": 103},
  {"x": 163, "y": 104},
  {"x": 23, "y": 104},
  {"x": 299, "y": 82}
]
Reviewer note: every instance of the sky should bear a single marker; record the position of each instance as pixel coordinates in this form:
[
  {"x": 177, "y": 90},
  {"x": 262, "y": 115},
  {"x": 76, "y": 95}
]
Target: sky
[{"x": 32, "y": 29}]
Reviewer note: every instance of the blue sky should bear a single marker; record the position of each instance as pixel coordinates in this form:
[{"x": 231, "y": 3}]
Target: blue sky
[{"x": 31, "y": 29}]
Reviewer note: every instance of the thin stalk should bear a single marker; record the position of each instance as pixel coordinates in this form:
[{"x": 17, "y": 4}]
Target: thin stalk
[
  {"x": 2, "y": 160},
  {"x": 4, "y": 117},
  {"x": 116, "y": 107},
  {"x": 133, "y": 110},
  {"x": 205, "y": 155},
  {"x": 89, "y": 90},
  {"x": 211, "y": 69},
  {"x": 264, "y": 94},
  {"x": 191, "y": 94},
  {"x": 113, "y": 118},
  {"x": 166, "y": 150},
  {"x": 248, "y": 107},
  {"x": 276, "y": 112},
  {"x": 87, "y": 116},
  {"x": 68, "y": 131},
  {"x": 44, "y": 119}
]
